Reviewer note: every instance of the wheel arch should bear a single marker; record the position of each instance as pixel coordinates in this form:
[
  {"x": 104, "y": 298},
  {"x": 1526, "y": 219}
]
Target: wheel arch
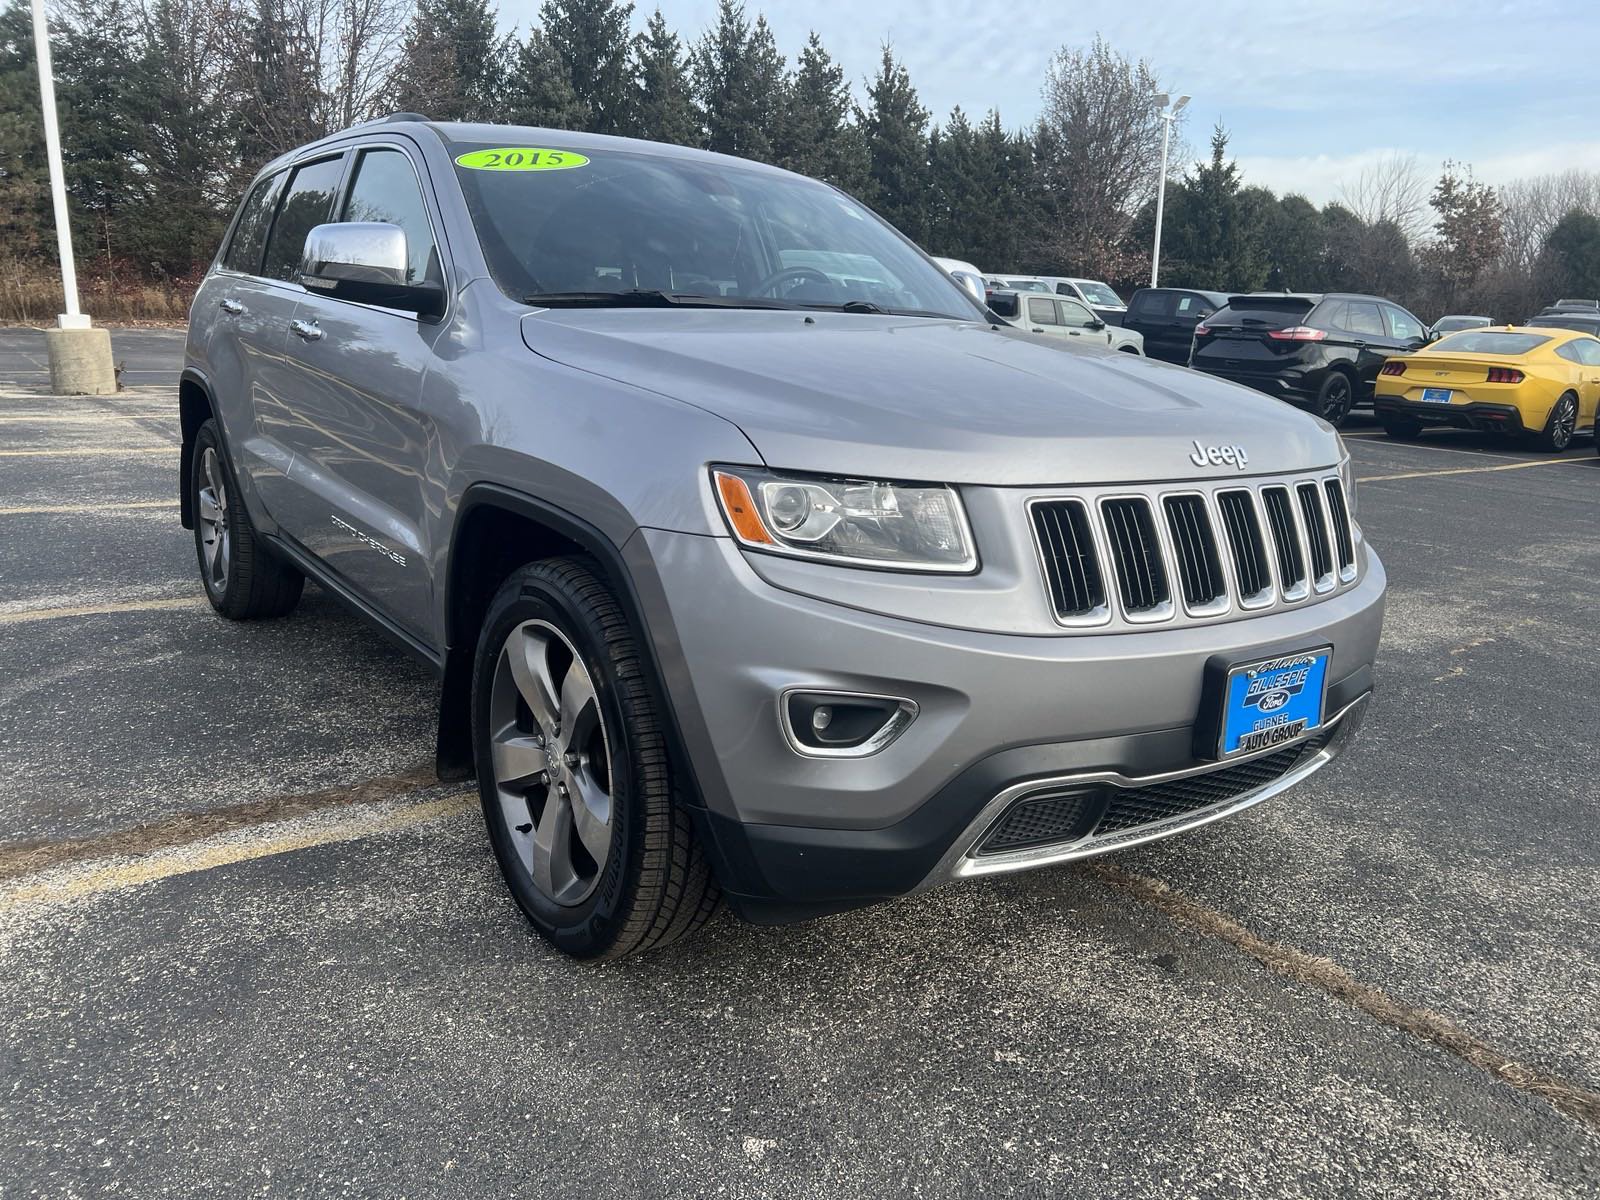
[
  {"x": 498, "y": 529},
  {"x": 195, "y": 408}
]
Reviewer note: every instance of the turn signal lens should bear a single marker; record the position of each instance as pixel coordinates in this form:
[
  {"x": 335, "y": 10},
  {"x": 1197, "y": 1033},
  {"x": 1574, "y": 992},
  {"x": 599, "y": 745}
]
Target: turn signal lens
[
  {"x": 1504, "y": 375},
  {"x": 1393, "y": 368},
  {"x": 1297, "y": 333},
  {"x": 741, "y": 509}
]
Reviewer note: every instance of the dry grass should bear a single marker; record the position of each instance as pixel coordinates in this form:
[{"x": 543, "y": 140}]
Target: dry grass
[{"x": 30, "y": 292}]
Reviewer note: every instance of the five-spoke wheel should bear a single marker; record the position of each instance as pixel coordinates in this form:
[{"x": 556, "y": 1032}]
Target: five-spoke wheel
[{"x": 552, "y": 762}]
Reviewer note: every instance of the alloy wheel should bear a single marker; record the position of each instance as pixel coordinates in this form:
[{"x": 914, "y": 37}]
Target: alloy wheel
[
  {"x": 1337, "y": 403},
  {"x": 215, "y": 543},
  {"x": 552, "y": 762},
  {"x": 1563, "y": 423}
]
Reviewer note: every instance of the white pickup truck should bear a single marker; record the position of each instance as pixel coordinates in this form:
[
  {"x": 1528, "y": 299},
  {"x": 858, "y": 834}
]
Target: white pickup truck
[{"x": 1059, "y": 316}]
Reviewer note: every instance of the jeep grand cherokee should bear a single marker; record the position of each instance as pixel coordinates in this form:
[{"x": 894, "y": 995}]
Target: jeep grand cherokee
[{"x": 757, "y": 560}]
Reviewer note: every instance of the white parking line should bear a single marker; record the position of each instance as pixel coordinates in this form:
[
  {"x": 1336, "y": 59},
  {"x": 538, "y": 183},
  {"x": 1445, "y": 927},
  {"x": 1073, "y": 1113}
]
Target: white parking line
[{"x": 1425, "y": 446}]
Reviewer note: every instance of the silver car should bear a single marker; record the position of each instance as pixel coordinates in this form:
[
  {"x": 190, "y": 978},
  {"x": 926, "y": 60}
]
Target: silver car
[{"x": 755, "y": 559}]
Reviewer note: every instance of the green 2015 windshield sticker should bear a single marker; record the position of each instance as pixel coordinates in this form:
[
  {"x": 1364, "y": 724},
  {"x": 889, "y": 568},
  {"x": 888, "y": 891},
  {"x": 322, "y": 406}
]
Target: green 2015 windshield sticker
[{"x": 521, "y": 158}]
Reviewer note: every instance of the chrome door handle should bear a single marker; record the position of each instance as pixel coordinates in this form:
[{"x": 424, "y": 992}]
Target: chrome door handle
[
  {"x": 230, "y": 305},
  {"x": 305, "y": 330}
]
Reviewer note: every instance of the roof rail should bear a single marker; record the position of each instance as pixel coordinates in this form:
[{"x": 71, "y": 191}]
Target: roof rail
[{"x": 396, "y": 118}]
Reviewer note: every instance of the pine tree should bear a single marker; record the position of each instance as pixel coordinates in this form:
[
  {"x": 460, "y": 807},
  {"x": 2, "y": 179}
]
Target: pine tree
[
  {"x": 817, "y": 136},
  {"x": 895, "y": 125},
  {"x": 590, "y": 40},
  {"x": 453, "y": 65},
  {"x": 740, "y": 85},
  {"x": 24, "y": 188},
  {"x": 539, "y": 91},
  {"x": 663, "y": 106}
]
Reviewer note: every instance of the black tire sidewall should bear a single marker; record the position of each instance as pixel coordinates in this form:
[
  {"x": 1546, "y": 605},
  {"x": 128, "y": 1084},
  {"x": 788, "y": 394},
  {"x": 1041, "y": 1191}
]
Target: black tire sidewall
[
  {"x": 209, "y": 438},
  {"x": 1330, "y": 385},
  {"x": 588, "y": 929},
  {"x": 1548, "y": 437}
]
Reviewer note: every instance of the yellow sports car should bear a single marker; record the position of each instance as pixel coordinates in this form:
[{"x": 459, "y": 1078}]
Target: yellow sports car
[{"x": 1544, "y": 382}]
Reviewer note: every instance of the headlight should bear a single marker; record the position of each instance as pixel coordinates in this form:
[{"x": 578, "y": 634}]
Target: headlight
[
  {"x": 861, "y": 522},
  {"x": 1347, "y": 476}
]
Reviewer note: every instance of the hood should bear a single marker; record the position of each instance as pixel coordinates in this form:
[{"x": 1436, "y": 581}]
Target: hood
[{"x": 945, "y": 401}]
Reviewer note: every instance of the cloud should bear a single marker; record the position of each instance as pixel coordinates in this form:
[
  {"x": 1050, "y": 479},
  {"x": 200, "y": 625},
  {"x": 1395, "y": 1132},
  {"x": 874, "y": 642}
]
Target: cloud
[{"x": 1318, "y": 176}]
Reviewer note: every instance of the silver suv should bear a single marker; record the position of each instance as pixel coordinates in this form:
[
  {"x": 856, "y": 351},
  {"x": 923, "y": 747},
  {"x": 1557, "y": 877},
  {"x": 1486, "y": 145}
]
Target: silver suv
[{"x": 756, "y": 558}]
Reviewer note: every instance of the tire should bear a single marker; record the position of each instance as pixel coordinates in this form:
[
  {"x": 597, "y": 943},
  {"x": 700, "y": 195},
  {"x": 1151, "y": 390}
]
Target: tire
[
  {"x": 1335, "y": 398},
  {"x": 1402, "y": 429},
  {"x": 594, "y": 888},
  {"x": 243, "y": 579},
  {"x": 1562, "y": 425}
]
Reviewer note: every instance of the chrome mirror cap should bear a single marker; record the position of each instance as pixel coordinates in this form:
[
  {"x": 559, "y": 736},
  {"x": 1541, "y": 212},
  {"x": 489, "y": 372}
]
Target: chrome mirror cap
[{"x": 354, "y": 251}]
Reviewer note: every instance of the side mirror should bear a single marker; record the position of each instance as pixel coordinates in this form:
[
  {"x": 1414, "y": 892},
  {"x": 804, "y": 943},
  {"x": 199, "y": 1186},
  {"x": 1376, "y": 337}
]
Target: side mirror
[
  {"x": 366, "y": 262},
  {"x": 1097, "y": 325}
]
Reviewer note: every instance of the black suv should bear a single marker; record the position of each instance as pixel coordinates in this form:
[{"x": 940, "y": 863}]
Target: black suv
[
  {"x": 1319, "y": 352},
  {"x": 1166, "y": 317}
]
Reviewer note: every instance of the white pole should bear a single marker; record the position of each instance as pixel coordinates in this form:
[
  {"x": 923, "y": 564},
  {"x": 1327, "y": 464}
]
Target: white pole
[
  {"x": 1161, "y": 191},
  {"x": 72, "y": 318}
]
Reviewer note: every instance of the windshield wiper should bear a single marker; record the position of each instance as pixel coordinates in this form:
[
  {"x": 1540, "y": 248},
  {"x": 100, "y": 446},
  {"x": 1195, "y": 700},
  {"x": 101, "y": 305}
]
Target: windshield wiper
[
  {"x": 871, "y": 309},
  {"x": 648, "y": 298}
]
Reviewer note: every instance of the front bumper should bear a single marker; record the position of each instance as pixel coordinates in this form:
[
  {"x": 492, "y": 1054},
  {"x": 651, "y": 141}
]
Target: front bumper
[
  {"x": 1494, "y": 418},
  {"x": 795, "y": 836}
]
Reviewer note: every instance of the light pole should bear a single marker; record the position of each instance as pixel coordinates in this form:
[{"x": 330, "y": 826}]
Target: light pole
[
  {"x": 80, "y": 356},
  {"x": 1169, "y": 114}
]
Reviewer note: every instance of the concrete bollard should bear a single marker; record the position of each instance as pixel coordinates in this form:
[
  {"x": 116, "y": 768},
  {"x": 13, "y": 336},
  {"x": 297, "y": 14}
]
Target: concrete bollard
[{"x": 80, "y": 362}]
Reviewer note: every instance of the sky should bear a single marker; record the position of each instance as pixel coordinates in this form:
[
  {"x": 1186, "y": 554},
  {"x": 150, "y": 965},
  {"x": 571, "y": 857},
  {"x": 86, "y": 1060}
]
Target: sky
[{"x": 1309, "y": 93}]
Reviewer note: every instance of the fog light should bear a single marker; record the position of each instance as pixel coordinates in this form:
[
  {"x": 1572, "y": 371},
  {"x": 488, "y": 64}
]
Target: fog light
[{"x": 822, "y": 724}]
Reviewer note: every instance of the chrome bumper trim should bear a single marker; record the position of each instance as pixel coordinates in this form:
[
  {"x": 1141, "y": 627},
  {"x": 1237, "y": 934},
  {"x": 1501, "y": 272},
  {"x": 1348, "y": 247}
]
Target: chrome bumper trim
[{"x": 960, "y": 863}]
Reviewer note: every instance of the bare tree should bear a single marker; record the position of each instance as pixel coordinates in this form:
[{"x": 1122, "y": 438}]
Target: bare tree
[
  {"x": 1393, "y": 190},
  {"x": 1098, "y": 143},
  {"x": 1532, "y": 207}
]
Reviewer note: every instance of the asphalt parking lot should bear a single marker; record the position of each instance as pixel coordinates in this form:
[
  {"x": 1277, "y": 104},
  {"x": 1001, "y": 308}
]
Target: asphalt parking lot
[{"x": 247, "y": 946}]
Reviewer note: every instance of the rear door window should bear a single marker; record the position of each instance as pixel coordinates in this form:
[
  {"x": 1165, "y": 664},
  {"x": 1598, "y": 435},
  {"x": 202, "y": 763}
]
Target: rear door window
[
  {"x": 1362, "y": 317},
  {"x": 1042, "y": 311},
  {"x": 307, "y": 202},
  {"x": 1152, "y": 304},
  {"x": 250, "y": 233}
]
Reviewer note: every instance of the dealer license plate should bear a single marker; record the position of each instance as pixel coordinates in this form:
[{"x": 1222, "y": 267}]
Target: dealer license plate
[
  {"x": 1436, "y": 395},
  {"x": 1273, "y": 701}
]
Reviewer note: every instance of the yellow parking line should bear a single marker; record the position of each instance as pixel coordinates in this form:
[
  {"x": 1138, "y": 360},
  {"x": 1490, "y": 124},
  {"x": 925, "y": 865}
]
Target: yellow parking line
[
  {"x": 104, "y": 510},
  {"x": 24, "y": 616},
  {"x": 1516, "y": 466},
  {"x": 83, "y": 418},
  {"x": 1428, "y": 446},
  {"x": 189, "y": 859},
  {"x": 89, "y": 451}
]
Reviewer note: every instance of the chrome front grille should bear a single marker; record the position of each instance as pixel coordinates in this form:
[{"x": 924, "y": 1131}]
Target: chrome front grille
[
  {"x": 1195, "y": 545},
  {"x": 1136, "y": 558},
  {"x": 1071, "y": 563},
  {"x": 1196, "y": 552}
]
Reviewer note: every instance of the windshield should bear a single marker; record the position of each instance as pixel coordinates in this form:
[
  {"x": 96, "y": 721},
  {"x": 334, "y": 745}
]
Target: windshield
[
  {"x": 1447, "y": 324},
  {"x": 1098, "y": 293},
  {"x": 569, "y": 228},
  {"x": 1490, "y": 343},
  {"x": 1026, "y": 285}
]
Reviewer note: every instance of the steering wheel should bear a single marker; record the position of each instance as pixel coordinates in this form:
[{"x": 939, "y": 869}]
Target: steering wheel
[{"x": 767, "y": 285}]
